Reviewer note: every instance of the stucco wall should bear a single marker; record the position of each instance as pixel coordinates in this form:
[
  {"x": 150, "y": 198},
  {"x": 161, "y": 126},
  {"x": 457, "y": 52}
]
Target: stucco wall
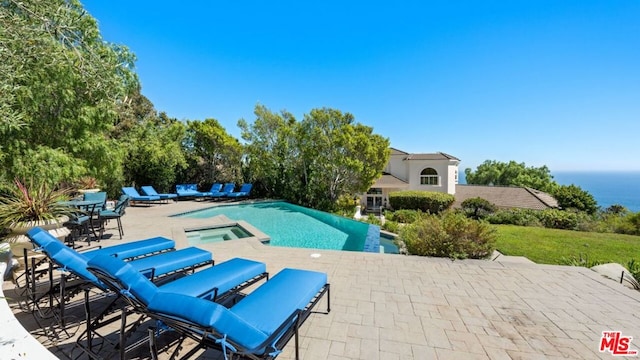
[{"x": 442, "y": 167}]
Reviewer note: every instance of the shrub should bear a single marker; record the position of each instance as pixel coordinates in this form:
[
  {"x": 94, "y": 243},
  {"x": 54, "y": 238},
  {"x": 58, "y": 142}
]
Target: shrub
[
  {"x": 559, "y": 219},
  {"x": 32, "y": 201},
  {"x": 371, "y": 219},
  {"x": 573, "y": 197},
  {"x": 615, "y": 223},
  {"x": 404, "y": 216},
  {"x": 520, "y": 217},
  {"x": 634, "y": 220},
  {"x": 391, "y": 226},
  {"x": 427, "y": 201},
  {"x": 477, "y": 208},
  {"x": 346, "y": 206},
  {"x": 453, "y": 235}
]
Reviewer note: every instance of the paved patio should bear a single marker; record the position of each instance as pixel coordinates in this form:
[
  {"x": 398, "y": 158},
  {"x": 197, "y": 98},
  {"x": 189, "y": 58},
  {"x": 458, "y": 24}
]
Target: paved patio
[{"x": 406, "y": 307}]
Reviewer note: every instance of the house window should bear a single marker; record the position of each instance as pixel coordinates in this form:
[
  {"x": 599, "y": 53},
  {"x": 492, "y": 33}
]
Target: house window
[{"x": 429, "y": 176}]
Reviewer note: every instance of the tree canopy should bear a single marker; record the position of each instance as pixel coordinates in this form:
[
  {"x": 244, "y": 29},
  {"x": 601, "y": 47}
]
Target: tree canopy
[
  {"x": 498, "y": 173},
  {"x": 314, "y": 161},
  {"x": 60, "y": 84},
  {"x": 213, "y": 154}
]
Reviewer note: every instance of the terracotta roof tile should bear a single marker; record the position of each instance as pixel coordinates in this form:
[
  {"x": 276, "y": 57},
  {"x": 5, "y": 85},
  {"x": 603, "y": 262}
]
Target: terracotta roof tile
[
  {"x": 506, "y": 197},
  {"x": 432, "y": 156},
  {"x": 389, "y": 181}
]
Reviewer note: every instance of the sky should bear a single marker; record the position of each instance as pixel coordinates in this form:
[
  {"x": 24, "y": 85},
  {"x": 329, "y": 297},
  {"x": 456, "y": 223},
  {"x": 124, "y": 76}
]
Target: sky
[{"x": 540, "y": 82}]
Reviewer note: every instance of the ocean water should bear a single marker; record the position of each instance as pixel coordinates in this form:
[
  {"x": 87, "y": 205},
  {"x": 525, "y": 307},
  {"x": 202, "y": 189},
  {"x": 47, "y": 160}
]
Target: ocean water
[{"x": 608, "y": 188}]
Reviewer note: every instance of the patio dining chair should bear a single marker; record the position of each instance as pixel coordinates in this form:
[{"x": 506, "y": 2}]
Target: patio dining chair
[
  {"x": 80, "y": 225},
  {"x": 117, "y": 213},
  {"x": 99, "y": 196}
]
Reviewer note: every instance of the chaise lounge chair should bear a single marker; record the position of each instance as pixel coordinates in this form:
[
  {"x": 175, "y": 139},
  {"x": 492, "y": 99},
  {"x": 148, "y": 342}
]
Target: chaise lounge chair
[
  {"x": 131, "y": 250},
  {"x": 216, "y": 283},
  {"x": 150, "y": 191},
  {"x": 244, "y": 191},
  {"x": 135, "y": 197},
  {"x": 215, "y": 188},
  {"x": 75, "y": 277},
  {"x": 162, "y": 267},
  {"x": 258, "y": 326},
  {"x": 226, "y": 190},
  {"x": 189, "y": 191}
]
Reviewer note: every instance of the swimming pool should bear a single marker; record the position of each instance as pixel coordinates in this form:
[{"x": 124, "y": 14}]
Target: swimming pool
[{"x": 296, "y": 226}]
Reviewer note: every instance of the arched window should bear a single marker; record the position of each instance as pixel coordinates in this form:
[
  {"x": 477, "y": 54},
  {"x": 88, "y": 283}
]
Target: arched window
[{"x": 429, "y": 176}]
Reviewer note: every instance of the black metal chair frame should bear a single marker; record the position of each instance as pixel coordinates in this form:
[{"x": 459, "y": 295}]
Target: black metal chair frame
[
  {"x": 209, "y": 338},
  {"x": 131, "y": 306},
  {"x": 120, "y": 208}
]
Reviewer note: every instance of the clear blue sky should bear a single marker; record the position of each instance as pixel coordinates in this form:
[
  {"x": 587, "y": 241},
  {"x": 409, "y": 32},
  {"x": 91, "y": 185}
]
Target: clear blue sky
[{"x": 544, "y": 82}]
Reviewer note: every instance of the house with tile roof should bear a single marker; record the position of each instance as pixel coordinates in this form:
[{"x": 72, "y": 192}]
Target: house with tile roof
[
  {"x": 404, "y": 171},
  {"x": 439, "y": 172}
]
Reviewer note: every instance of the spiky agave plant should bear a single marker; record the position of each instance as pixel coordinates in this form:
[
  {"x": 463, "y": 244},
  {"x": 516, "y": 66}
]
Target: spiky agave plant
[{"x": 28, "y": 203}]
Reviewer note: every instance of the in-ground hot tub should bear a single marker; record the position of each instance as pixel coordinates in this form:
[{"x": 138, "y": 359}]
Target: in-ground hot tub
[{"x": 214, "y": 234}]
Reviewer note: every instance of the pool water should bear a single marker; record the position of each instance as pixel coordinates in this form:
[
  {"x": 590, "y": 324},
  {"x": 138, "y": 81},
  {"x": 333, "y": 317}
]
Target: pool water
[
  {"x": 296, "y": 226},
  {"x": 388, "y": 246},
  {"x": 203, "y": 236}
]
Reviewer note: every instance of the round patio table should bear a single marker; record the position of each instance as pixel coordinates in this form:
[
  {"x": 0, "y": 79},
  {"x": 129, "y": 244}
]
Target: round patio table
[{"x": 89, "y": 207}]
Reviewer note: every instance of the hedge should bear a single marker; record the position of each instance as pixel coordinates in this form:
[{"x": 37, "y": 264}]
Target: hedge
[{"x": 426, "y": 201}]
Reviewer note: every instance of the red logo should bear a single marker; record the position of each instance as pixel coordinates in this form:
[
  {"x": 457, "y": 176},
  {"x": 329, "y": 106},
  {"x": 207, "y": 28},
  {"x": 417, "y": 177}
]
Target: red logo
[{"x": 617, "y": 344}]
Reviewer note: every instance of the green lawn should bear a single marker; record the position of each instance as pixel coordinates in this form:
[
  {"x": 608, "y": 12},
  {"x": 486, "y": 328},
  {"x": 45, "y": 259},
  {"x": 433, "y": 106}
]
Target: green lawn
[{"x": 550, "y": 246}]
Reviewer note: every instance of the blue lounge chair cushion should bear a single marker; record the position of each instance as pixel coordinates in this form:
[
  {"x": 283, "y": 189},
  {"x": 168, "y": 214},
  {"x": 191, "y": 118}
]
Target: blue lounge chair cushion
[
  {"x": 70, "y": 260},
  {"x": 134, "y": 249},
  {"x": 172, "y": 261},
  {"x": 137, "y": 284},
  {"x": 156, "y": 265},
  {"x": 244, "y": 191},
  {"x": 41, "y": 237},
  {"x": 189, "y": 190},
  {"x": 222, "y": 277},
  {"x": 252, "y": 320},
  {"x": 226, "y": 190},
  {"x": 150, "y": 191},
  {"x": 208, "y": 314},
  {"x": 135, "y": 196},
  {"x": 290, "y": 289},
  {"x": 215, "y": 188}
]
